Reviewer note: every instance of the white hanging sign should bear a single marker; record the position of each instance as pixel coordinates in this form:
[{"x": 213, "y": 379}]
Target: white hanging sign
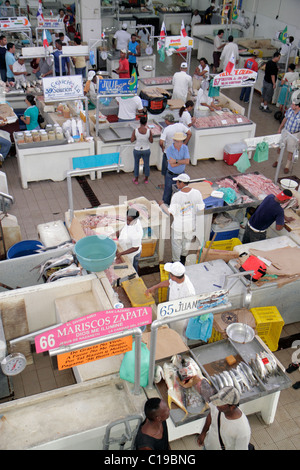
[{"x": 65, "y": 87}]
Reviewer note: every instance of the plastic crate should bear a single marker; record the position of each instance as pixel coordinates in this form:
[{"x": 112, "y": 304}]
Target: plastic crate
[
  {"x": 215, "y": 336},
  {"x": 148, "y": 247},
  {"x": 269, "y": 324},
  {"x": 224, "y": 244},
  {"x": 163, "y": 291}
]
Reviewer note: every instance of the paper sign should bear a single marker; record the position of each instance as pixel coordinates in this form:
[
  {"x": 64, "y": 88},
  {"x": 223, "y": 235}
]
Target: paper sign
[
  {"x": 118, "y": 86},
  {"x": 237, "y": 78},
  {"x": 178, "y": 41},
  {"x": 60, "y": 88},
  {"x": 93, "y": 353},
  {"x": 19, "y": 22},
  {"x": 94, "y": 325},
  {"x": 53, "y": 23}
]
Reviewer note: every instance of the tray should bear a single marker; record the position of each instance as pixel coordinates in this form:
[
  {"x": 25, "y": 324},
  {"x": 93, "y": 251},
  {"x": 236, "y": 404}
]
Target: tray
[{"x": 48, "y": 143}]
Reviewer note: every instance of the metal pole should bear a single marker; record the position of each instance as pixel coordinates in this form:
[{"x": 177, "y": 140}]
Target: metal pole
[{"x": 250, "y": 102}]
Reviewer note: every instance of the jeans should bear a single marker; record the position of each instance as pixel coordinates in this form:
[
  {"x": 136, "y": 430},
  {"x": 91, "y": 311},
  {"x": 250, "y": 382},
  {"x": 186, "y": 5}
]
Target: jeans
[
  {"x": 250, "y": 236},
  {"x": 164, "y": 164},
  {"x": 245, "y": 93},
  {"x": 168, "y": 187},
  {"x": 3, "y": 74},
  {"x": 145, "y": 155},
  {"x": 135, "y": 262},
  {"x": 4, "y": 146},
  {"x": 80, "y": 71}
]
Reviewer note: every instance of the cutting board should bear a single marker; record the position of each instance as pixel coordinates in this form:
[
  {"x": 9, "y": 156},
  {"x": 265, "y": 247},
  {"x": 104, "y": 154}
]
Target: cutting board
[
  {"x": 203, "y": 187},
  {"x": 295, "y": 224},
  {"x": 135, "y": 290}
]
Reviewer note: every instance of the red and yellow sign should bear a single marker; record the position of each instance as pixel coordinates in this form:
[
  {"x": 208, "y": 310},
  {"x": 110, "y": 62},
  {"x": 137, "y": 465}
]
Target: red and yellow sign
[{"x": 93, "y": 353}]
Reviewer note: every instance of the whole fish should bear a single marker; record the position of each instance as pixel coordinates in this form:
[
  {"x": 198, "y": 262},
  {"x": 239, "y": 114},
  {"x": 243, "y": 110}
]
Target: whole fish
[
  {"x": 71, "y": 270},
  {"x": 65, "y": 260},
  {"x": 158, "y": 374},
  {"x": 244, "y": 378},
  {"x": 248, "y": 371},
  {"x": 176, "y": 393},
  {"x": 187, "y": 367},
  {"x": 235, "y": 381},
  {"x": 224, "y": 379},
  {"x": 228, "y": 378}
]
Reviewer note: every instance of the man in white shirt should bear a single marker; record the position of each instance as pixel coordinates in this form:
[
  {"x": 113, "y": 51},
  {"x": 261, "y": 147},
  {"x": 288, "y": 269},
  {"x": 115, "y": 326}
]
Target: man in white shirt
[
  {"x": 187, "y": 210},
  {"x": 289, "y": 49},
  {"x": 129, "y": 107},
  {"x": 230, "y": 49},
  {"x": 182, "y": 84},
  {"x": 19, "y": 70},
  {"x": 166, "y": 138},
  {"x": 121, "y": 38},
  {"x": 218, "y": 46}
]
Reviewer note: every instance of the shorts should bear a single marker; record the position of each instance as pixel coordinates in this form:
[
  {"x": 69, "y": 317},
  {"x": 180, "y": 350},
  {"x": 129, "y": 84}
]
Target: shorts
[
  {"x": 291, "y": 143},
  {"x": 216, "y": 58},
  {"x": 267, "y": 91}
]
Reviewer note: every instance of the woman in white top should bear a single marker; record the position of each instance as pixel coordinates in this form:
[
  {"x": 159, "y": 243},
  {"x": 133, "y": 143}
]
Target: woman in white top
[
  {"x": 185, "y": 113},
  {"x": 142, "y": 136},
  {"x": 130, "y": 238},
  {"x": 201, "y": 73}
]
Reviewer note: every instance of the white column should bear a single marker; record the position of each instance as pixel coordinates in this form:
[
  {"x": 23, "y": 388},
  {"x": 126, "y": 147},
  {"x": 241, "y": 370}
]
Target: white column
[{"x": 88, "y": 14}]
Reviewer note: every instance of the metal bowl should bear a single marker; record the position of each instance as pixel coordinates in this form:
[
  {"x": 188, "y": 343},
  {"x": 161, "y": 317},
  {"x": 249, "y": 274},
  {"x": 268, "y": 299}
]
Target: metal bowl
[{"x": 240, "y": 333}]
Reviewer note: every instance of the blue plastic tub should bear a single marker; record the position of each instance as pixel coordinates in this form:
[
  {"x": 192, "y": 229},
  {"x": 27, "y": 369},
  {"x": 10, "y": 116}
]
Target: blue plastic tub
[
  {"x": 24, "y": 248},
  {"x": 95, "y": 253}
]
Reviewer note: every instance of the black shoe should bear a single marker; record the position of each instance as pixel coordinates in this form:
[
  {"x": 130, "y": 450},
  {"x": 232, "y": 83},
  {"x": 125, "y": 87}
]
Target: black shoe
[
  {"x": 291, "y": 368},
  {"x": 267, "y": 110},
  {"x": 296, "y": 385},
  {"x": 261, "y": 107}
]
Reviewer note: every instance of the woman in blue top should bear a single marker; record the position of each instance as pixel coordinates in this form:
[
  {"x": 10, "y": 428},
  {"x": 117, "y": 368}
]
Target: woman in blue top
[
  {"x": 133, "y": 51},
  {"x": 30, "y": 117}
]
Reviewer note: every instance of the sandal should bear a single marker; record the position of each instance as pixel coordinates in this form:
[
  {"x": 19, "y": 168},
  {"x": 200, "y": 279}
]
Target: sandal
[
  {"x": 275, "y": 164},
  {"x": 146, "y": 181},
  {"x": 291, "y": 368},
  {"x": 135, "y": 181},
  {"x": 296, "y": 385},
  {"x": 286, "y": 170}
]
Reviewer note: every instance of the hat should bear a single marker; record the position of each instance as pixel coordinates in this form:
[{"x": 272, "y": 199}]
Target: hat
[
  {"x": 179, "y": 136},
  {"x": 184, "y": 178},
  {"x": 124, "y": 51},
  {"x": 296, "y": 99},
  {"x": 91, "y": 74},
  {"x": 284, "y": 195},
  {"x": 177, "y": 268},
  {"x": 184, "y": 65},
  {"x": 124, "y": 26},
  {"x": 169, "y": 117},
  {"x": 226, "y": 396}
]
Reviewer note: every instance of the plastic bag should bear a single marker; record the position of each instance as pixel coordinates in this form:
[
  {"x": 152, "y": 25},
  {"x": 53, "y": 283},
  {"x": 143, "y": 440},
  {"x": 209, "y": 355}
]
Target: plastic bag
[
  {"x": 200, "y": 328},
  {"x": 213, "y": 90},
  {"x": 261, "y": 152},
  {"x": 229, "y": 195},
  {"x": 243, "y": 162},
  {"x": 127, "y": 366}
]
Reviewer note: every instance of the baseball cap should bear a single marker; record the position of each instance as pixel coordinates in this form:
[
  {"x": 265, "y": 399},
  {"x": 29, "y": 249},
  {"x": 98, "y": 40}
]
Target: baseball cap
[
  {"x": 177, "y": 268},
  {"x": 184, "y": 65},
  {"x": 169, "y": 117},
  {"x": 183, "y": 177},
  {"x": 124, "y": 51},
  {"x": 285, "y": 195},
  {"x": 124, "y": 26},
  {"x": 91, "y": 74},
  {"x": 179, "y": 136},
  {"x": 226, "y": 396}
]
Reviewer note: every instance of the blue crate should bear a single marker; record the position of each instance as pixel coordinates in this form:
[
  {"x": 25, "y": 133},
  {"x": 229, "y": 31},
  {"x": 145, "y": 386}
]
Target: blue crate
[{"x": 213, "y": 202}]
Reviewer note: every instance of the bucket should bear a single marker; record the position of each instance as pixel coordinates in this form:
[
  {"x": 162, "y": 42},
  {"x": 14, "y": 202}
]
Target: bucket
[
  {"x": 95, "y": 253},
  {"x": 24, "y": 248}
]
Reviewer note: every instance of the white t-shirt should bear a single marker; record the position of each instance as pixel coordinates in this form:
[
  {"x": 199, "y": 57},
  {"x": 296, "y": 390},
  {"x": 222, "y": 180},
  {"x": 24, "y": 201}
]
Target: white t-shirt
[
  {"x": 202, "y": 97},
  {"x": 128, "y": 107},
  {"x": 131, "y": 236},
  {"x": 19, "y": 68},
  {"x": 169, "y": 131},
  {"x": 184, "y": 207},
  {"x": 291, "y": 77},
  {"x": 195, "y": 19},
  {"x": 206, "y": 69},
  {"x": 235, "y": 433},
  {"x": 217, "y": 43},
  {"x": 123, "y": 38},
  {"x": 185, "y": 118},
  {"x": 230, "y": 49},
  {"x": 182, "y": 83},
  {"x": 179, "y": 291}
]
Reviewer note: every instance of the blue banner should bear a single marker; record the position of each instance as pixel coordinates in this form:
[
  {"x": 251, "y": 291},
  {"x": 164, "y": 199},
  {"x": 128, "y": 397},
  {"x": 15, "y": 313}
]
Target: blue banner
[{"x": 118, "y": 86}]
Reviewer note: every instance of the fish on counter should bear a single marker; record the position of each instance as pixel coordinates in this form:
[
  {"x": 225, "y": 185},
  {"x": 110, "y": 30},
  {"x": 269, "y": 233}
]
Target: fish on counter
[
  {"x": 176, "y": 393},
  {"x": 69, "y": 271},
  {"x": 64, "y": 260},
  {"x": 264, "y": 365},
  {"x": 241, "y": 377}
]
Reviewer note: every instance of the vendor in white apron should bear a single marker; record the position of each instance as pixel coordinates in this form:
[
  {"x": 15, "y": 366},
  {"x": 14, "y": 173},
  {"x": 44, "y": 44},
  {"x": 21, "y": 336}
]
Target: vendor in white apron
[
  {"x": 182, "y": 84},
  {"x": 130, "y": 238}
]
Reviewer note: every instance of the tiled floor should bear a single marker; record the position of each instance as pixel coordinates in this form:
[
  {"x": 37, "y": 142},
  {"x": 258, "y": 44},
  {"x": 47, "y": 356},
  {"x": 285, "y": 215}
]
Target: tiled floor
[{"x": 47, "y": 201}]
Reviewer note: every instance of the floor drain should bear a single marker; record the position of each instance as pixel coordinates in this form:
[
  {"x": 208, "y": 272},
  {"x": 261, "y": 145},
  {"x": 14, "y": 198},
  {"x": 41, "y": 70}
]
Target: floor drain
[{"x": 94, "y": 201}]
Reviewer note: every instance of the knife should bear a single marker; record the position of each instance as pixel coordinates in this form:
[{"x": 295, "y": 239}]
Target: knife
[{"x": 119, "y": 281}]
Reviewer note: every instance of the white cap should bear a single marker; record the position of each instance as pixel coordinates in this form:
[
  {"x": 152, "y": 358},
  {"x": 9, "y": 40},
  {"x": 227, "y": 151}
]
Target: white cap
[
  {"x": 124, "y": 51},
  {"x": 296, "y": 99},
  {"x": 177, "y": 268},
  {"x": 124, "y": 26},
  {"x": 184, "y": 65},
  {"x": 91, "y": 74},
  {"x": 184, "y": 178}
]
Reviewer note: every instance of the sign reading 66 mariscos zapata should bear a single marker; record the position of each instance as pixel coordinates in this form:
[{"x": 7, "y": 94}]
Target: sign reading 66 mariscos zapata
[{"x": 58, "y": 88}]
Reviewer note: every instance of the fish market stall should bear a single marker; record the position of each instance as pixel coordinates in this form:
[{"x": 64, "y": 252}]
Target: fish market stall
[
  {"x": 172, "y": 15},
  {"x": 162, "y": 82},
  {"x": 146, "y": 63}
]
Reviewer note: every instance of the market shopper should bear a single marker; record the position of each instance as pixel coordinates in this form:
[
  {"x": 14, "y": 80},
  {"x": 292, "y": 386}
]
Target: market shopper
[
  {"x": 180, "y": 286},
  {"x": 186, "y": 208},
  {"x": 44, "y": 67},
  {"x": 250, "y": 64},
  {"x": 79, "y": 61},
  {"x": 31, "y": 114},
  {"x": 5, "y": 142},
  {"x": 285, "y": 92},
  {"x": 270, "y": 210},
  {"x": 129, "y": 108},
  {"x": 269, "y": 82},
  {"x": 204, "y": 100},
  {"x": 229, "y": 50},
  {"x": 153, "y": 431},
  {"x": 218, "y": 46},
  {"x": 90, "y": 88},
  {"x": 19, "y": 70},
  {"x": 201, "y": 73},
  {"x": 10, "y": 60},
  {"x": 178, "y": 157},
  {"x": 121, "y": 38},
  {"x": 291, "y": 124},
  {"x": 130, "y": 238},
  {"x": 134, "y": 51},
  {"x": 185, "y": 113},
  {"x": 166, "y": 137},
  {"x": 65, "y": 62},
  {"x": 226, "y": 426},
  {"x": 123, "y": 69},
  {"x": 182, "y": 84},
  {"x": 142, "y": 136},
  {"x": 3, "y": 49}
]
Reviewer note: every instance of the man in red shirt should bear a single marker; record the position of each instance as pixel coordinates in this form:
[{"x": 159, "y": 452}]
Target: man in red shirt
[
  {"x": 252, "y": 65},
  {"x": 123, "y": 70}
]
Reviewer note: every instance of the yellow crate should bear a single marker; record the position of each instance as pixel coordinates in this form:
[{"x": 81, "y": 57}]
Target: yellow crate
[
  {"x": 148, "y": 247},
  {"x": 224, "y": 244},
  {"x": 163, "y": 291},
  {"x": 215, "y": 336},
  {"x": 269, "y": 324}
]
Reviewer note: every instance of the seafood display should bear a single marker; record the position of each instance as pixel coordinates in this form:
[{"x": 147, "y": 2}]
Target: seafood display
[
  {"x": 264, "y": 365},
  {"x": 69, "y": 271},
  {"x": 65, "y": 260},
  {"x": 59, "y": 268},
  {"x": 176, "y": 393},
  {"x": 240, "y": 377},
  {"x": 220, "y": 120}
]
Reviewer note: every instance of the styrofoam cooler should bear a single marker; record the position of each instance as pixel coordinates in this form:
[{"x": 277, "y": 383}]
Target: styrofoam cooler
[
  {"x": 232, "y": 152},
  {"x": 230, "y": 230}
]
